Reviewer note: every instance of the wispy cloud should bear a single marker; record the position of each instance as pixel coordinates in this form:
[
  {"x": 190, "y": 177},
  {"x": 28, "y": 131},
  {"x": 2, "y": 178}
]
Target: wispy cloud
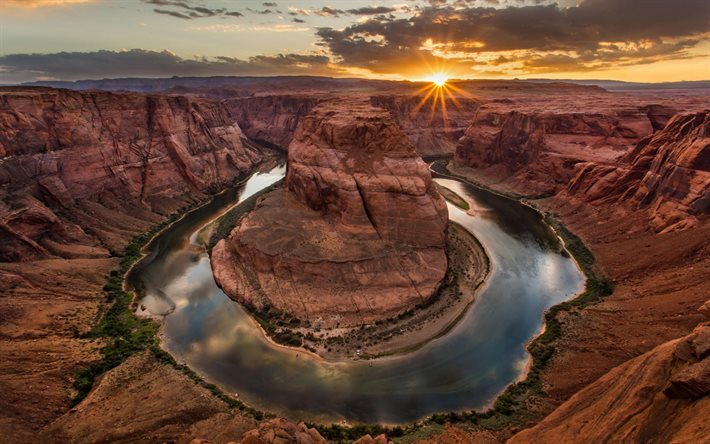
[{"x": 188, "y": 11}]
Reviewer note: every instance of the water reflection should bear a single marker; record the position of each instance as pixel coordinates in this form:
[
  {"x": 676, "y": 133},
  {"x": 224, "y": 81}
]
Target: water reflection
[{"x": 464, "y": 369}]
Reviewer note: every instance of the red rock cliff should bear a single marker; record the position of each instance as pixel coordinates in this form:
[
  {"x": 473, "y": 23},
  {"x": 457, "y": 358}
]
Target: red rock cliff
[
  {"x": 356, "y": 235},
  {"x": 667, "y": 174},
  {"x": 84, "y": 171},
  {"x": 535, "y": 153}
]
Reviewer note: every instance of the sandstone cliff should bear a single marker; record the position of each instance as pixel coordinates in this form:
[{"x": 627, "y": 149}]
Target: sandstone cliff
[
  {"x": 658, "y": 397},
  {"x": 535, "y": 153},
  {"x": 667, "y": 174},
  {"x": 356, "y": 235},
  {"x": 82, "y": 172},
  {"x": 272, "y": 119}
]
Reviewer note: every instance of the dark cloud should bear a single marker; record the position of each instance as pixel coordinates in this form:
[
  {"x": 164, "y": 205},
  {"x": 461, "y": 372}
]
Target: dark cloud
[
  {"x": 144, "y": 63},
  {"x": 327, "y": 11},
  {"x": 269, "y": 4},
  {"x": 581, "y": 34},
  {"x": 187, "y": 10},
  {"x": 370, "y": 10},
  {"x": 298, "y": 20}
]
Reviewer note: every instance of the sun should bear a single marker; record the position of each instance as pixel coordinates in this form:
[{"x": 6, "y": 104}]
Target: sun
[{"x": 439, "y": 79}]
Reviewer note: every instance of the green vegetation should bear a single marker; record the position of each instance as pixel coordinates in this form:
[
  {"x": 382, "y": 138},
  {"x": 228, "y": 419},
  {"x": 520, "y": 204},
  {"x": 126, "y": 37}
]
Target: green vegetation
[
  {"x": 452, "y": 197},
  {"x": 124, "y": 334},
  {"x": 511, "y": 406},
  {"x": 226, "y": 223}
]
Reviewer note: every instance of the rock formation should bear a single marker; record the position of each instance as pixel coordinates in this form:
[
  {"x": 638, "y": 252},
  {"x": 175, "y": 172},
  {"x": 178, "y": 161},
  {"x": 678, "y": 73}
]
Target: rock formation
[
  {"x": 278, "y": 431},
  {"x": 356, "y": 235},
  {"x": 667, "y": 173},
  {"x": 272, "y": 119},
  {"x": 536, "y": 152},
  {"x": 84, "y": 171},
  {"x": 660, "y": 396}
]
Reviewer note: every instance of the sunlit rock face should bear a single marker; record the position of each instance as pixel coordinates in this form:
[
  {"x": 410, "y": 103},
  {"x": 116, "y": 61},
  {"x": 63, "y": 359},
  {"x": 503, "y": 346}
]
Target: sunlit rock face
[
  {"x": 356, "y": 234},
  {"x": 667, "y": 174},
  {"x": 661, "y": 394},
  {"x": 83, "y": 172}
]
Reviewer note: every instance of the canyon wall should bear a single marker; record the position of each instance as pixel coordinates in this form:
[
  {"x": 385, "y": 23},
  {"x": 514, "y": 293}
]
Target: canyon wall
[
  {"x": 82, "y": 172},
  {"x": 357, "y": 234},
  {"x": 535, "y": 153},
  {"x": 272, "y": 119},
  {"x": 660, "y": 396},
  {"x": 667, "y": 174}
]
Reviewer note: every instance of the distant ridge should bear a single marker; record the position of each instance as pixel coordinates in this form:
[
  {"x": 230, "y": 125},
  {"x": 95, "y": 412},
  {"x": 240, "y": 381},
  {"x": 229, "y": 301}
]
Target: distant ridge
[
  {"x": 147, "y": 84},
  {"x": 618, "y": 85}
]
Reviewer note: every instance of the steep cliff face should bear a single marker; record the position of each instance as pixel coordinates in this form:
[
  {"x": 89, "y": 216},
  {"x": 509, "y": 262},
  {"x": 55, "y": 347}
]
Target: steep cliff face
[
  {"x": 432, "y": 128},
  {"x": 84, "y": 171},
  {"x": 668, "y": 174},
  {"x": 356, "y": 235},
  {"x": 272, "y": 118},
  {"x": 535, "y": 153},
  {"x": 660, "y": 396}
]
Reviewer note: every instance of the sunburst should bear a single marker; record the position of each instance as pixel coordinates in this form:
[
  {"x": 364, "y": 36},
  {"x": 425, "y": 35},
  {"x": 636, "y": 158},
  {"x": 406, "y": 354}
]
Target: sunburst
[{"x": 436, "y": 94}]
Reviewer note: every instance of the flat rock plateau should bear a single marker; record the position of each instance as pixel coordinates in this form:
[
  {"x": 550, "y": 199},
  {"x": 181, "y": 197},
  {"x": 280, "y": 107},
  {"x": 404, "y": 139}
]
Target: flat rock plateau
[{"x": 83, "y": 172}]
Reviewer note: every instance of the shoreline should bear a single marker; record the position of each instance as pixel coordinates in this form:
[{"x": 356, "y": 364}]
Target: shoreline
[
  {"x": 491, "y": 409},
  {"x": 447, "y": 311}
]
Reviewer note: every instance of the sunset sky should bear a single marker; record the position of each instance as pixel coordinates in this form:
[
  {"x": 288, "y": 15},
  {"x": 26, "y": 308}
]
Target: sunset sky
[{"x": 633, "y": 40}]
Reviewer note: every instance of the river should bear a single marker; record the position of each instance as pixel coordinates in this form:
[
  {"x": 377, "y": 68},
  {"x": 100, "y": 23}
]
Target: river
[{"x": 462, "y": 370}]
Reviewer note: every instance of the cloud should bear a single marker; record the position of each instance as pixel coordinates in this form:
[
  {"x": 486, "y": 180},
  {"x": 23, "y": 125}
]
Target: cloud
[
  {"x": 327, "y": 11},
  {"x": 17, "y": 68},
  {"x": 371, "y": 10},
  {"x": 187, "y": 11},
  {"x": 593, "y": 33}
]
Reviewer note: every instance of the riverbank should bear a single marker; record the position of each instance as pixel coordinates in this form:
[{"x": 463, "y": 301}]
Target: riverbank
[{"x": 467, "y": 269}]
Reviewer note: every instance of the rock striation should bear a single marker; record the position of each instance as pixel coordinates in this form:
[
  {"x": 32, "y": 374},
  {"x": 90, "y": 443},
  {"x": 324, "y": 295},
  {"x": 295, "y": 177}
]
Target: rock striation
[
  {"x": 660, "y": 396},
  {"x": 272, "y": 119},
  {"x": 535, "y": 153},
  {"x": 667, "y": 174},
  {"x": 357, "y": 233},
  {"x": 82, "y": 172}
]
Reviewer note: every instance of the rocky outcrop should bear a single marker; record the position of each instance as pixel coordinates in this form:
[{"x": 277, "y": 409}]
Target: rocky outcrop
[
  {"x": 82, "y": 172},
  {"x": 356, "y": 235},
  {"x": 660, "y": 396},
  {"x": 535, "y": 153},
  {"x": 279, "y": 430},
  {"x": 432, "y": 128},
  {"x": 272, "y": 119},
  {"x": 667, "y": 174}
]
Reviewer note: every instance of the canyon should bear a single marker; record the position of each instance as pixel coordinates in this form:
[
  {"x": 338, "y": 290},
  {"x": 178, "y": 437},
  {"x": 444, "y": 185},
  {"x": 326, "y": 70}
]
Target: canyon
[{"x": 83, "y": 172}]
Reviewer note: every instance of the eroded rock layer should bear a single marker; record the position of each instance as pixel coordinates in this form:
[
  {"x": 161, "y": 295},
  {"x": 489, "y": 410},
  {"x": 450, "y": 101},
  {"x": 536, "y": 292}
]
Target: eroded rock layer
[
  {"x": 667, "y": 174},
  {"x": 535, "y": 153},
  {"x": 81, "y": 172},
  {"x": 357, "y": 233},
  {"x": 660, "y": 396}
]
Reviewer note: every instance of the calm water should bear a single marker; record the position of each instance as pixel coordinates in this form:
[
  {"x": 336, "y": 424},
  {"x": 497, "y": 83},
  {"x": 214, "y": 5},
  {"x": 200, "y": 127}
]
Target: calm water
[{"x": 463, "y": 370}]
